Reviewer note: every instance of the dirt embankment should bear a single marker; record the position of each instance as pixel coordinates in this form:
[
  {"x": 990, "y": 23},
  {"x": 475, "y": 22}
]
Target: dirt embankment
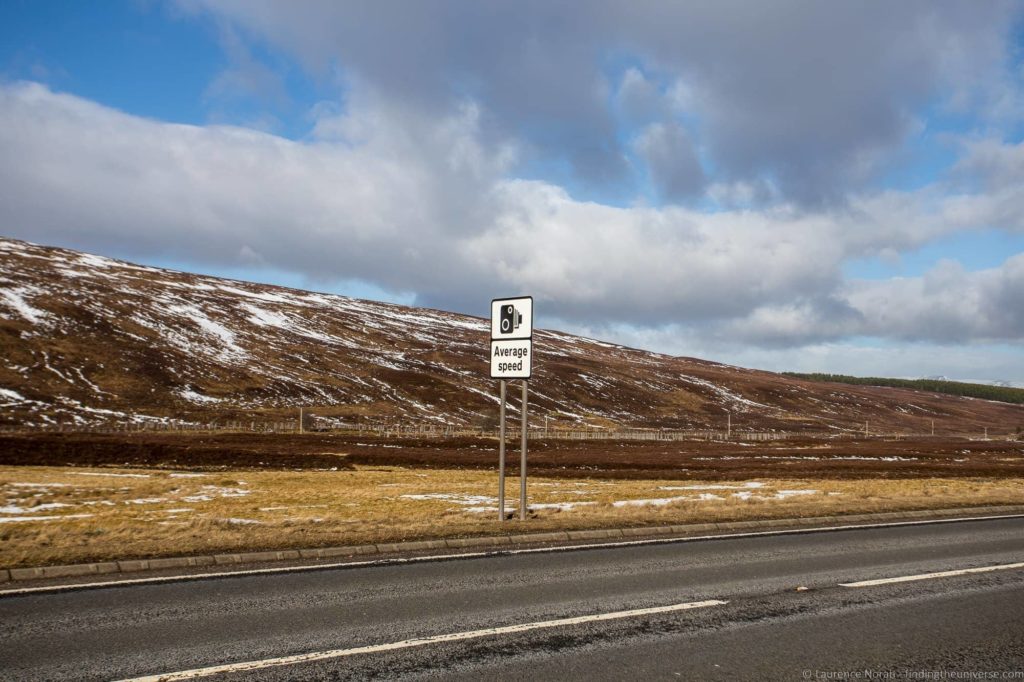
[
  {"x": 220, "y": 451},
  {"x": 703, "y": 460}
]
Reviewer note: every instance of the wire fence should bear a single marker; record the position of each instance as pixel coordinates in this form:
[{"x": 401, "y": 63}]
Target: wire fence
[{"x": 436, "y": 431}]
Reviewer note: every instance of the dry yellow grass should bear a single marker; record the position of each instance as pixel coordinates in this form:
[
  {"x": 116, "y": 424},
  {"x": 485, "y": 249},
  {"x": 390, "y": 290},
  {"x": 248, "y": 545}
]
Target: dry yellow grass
[{"x": 53, "y": 515}]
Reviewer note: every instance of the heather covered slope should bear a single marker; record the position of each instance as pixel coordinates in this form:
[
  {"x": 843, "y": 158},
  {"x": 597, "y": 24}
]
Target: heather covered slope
[{"x": 90, "y": 340}]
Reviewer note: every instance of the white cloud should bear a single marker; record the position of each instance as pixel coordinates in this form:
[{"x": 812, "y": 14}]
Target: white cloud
[
  {"x": 422, "y": 204},
  {"x": 382, "y": 210}
]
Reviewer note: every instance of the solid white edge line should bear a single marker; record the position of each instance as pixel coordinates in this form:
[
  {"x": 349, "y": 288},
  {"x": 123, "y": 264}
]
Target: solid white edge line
[
  {"x": 480, "y": 555},
  {"x": 421, "y": 641},
  {"x": 931, "y": 576}
]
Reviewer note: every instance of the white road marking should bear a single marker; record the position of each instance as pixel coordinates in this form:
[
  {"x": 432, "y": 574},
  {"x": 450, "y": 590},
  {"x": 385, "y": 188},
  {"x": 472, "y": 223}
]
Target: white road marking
[
  {"x": 931, "y": 576},
  {"x": 254, "y": 571},
  {"x": 422, "y": 641},
  {"x": 484, "y": 554}
]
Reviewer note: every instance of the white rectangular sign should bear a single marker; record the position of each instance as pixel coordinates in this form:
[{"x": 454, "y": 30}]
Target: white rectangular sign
[
  {"x": 512, "y": 318},
  {"x": 511, "y": 359}
]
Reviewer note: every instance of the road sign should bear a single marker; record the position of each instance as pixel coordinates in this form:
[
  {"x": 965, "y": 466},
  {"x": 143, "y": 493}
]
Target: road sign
[
  {"x": 512, "y": 318},
  {"x": 512, "y": 337},
  {"x": 511, "y": 359}
]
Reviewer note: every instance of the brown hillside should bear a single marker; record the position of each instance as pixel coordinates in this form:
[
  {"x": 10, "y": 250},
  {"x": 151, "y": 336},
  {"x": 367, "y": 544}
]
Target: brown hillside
[{"x": 87, "y": 340}]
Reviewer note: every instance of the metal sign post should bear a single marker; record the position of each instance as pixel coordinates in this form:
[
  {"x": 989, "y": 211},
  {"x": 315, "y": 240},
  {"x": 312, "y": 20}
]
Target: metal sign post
[
  {"x": 512, "y": 358},
  {"x": 501, "y": 457},
  {"x": 522, "y": 461}
]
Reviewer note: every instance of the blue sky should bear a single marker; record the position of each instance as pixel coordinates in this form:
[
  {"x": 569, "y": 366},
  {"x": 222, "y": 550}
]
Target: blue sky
[{"x": 799, "y": 185}]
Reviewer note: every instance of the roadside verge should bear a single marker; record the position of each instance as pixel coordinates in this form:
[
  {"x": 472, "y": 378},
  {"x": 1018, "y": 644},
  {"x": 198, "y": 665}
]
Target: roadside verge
[{"x": 309, "y": 557}]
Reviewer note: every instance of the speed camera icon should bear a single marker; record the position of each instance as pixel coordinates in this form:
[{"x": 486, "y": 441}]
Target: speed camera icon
[{"x": 510, "y": 319}]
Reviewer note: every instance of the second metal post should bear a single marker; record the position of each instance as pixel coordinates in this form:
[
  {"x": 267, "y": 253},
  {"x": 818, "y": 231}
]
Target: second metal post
[{"x": 522, "y": 461}]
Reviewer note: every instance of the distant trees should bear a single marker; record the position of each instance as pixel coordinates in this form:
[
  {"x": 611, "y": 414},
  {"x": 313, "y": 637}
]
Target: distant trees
[{"x": 981, "y": 391}]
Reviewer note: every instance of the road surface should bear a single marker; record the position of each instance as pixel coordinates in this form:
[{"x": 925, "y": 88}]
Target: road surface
[{"x": 763, "y": 607}]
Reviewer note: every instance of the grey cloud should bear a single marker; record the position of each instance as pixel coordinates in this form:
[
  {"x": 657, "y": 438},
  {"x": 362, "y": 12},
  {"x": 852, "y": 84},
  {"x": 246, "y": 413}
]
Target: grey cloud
[
  {"x": 530, "y": 64},
  {"x": 962, "y": 362},
  {"x": 674, "y": 167},
  {"x": 813, "y": 94},
  {"x": 639, "y": 101},
  {"x": 947, "y": 304},
  {"x": 985, "y": 186},
  {"x": 809, "y": 95},
  {"x": 1001, "y": 164},
  {"x": 802, "y": 321},
  {"x": 246, "y": 76}
]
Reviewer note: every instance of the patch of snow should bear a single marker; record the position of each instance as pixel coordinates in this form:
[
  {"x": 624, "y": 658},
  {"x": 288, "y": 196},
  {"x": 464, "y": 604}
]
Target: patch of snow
[
  {"x": 14, "y": 509},
  {"x": 750, "y": 484},
  {"x": 723, "y": 392},
  {"x": 231, "y": 351},
  {"x": 208, "y": 491},
  {"x": 562, "y": 506},
  {"x": 91, "y": 261},
  {"x": 457, "y": 498},
  {"x": 15, "y": 299},
  {"x": 300, "y": 506},
  {"x": 11, "y": 395},
  {"x": 260, "y": 295},
  {"x": 653, "y": 502},
  {"x": 193, "y": 397},
  {"x": 94, "y": 387},
  {"x": 17, "y": 519},
  {"x": 266, "y": 318},
  {"x": 807, "y": 458}
]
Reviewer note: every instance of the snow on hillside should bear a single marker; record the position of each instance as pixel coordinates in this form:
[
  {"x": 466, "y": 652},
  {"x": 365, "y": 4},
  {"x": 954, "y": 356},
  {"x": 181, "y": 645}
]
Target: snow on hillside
[{"x": 92, "y": 340}]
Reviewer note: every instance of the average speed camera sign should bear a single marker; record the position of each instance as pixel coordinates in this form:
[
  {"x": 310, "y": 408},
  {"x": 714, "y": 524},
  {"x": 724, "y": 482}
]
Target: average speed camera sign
[
  {"x": 512, "y": 318},
  {"x": 512, "y": 338}
]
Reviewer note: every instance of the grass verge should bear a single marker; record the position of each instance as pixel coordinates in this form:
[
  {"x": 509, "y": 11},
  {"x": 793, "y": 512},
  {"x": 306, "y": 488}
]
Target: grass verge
[{"x": 61, "y": 515}]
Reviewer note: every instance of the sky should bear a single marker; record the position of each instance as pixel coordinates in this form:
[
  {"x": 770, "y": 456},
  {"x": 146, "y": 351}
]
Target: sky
[{"x": 795, "y": 185}]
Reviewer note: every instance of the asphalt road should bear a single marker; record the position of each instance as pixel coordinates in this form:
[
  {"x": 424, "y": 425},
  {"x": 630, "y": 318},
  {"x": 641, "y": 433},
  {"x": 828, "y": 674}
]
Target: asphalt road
[{"x": 770, "y": 627}]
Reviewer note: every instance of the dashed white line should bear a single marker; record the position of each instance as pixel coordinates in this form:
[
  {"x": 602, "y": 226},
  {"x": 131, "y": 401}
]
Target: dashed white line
[
  {"x": 421, "y": 641},
  {"x": 932, "y": 576}
]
